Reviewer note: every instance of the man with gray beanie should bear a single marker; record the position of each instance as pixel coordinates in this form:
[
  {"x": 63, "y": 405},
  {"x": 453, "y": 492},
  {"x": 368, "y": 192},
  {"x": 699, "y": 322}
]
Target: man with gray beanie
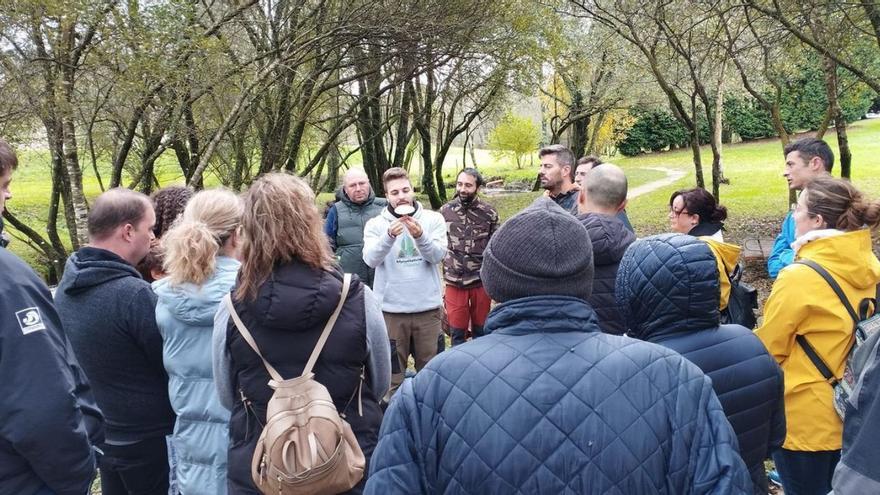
[{"x": 547, "y": 403}]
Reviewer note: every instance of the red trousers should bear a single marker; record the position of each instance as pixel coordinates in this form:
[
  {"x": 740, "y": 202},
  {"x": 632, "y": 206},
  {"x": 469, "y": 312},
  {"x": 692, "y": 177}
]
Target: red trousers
[{"x": 466, "y": 310}]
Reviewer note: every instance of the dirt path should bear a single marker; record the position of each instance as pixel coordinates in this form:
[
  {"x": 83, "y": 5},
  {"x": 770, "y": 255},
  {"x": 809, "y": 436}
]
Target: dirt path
[{"x": 672, "y": 175}]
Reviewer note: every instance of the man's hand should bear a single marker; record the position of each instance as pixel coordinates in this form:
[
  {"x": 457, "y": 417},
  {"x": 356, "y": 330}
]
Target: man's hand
[
  {"x": 414, "y": 228},
  {"x": 396, "y": 228}
]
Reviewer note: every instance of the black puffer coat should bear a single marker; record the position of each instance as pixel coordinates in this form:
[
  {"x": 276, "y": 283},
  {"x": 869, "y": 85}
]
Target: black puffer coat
[
  {"x": 610, "y": 238},
  {"x": 668, "y": 289},
  {"x": 286, "y": 319}
]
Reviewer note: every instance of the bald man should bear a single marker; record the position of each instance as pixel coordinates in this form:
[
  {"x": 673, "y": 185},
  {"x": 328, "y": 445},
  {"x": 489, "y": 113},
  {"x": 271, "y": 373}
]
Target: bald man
[
  {"x": 600, "y": 204},
  {"x": 355, "y": 204},
  {"x": 109, "y": 315}
]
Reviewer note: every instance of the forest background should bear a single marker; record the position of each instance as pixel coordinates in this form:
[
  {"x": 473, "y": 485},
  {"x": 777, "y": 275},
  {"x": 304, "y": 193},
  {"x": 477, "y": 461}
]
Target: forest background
[{"x": 143, "y": 94}]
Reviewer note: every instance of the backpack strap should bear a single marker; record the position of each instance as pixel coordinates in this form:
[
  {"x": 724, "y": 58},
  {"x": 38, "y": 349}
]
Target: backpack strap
[
  {"x": 865, "y": 306},
  {"x": 227, "y": 300},
  {"x": 817, "y": 361},
  {"x": 834, "y": 286},
  {"x": 346, "y": 284},
  {"x": 802, "y": 340}
]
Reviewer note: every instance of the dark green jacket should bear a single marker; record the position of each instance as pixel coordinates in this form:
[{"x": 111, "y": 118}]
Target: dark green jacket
[{"x": 345, "y": 228}]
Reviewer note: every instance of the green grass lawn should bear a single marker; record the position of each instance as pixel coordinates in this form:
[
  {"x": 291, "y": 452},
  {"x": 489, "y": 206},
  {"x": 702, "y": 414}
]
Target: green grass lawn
[{"x": 756, "y": 190}]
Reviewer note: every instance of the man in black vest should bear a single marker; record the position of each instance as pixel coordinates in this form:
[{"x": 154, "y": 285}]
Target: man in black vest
[{"x": 355, "y": 204}]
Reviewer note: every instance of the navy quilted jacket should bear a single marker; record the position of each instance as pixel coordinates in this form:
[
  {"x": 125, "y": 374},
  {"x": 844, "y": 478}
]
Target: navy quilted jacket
[
  {"x": 547, "y": 403},
  {"x": 668, "y": 290}
]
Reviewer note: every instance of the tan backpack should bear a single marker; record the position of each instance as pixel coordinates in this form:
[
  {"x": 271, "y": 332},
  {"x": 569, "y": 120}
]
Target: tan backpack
[{"x": 305, "y": 447}]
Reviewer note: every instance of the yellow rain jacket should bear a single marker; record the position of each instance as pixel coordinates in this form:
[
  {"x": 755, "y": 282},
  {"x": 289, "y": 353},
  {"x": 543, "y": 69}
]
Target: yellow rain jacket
[
  {"x": 802, "y": 303},
  {"x": 726, "y": 255}
]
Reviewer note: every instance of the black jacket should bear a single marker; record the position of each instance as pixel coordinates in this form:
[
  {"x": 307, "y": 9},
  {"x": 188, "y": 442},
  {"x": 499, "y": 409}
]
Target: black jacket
[
  {"x": 48, "y": 418},
  {"x": 668, "y": 289},
  {"x": 567, "y": 200},
  {"x": 610, "y": 238},
  {"x": 706, "y": 229},
  {"x": 109, "y": 313},
  {"x": 286, "y": 319}
]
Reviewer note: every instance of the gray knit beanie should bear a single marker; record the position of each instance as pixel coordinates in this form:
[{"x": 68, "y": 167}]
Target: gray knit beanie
[{"x": 543, "y": 250}]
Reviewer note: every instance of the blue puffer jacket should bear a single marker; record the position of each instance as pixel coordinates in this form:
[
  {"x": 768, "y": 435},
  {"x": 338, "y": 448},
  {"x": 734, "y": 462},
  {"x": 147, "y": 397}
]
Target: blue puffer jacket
[
  {"x": 668, "y": 290},
  {"x": 185, "y": 315},
  {"x": 547, "y": 403}
]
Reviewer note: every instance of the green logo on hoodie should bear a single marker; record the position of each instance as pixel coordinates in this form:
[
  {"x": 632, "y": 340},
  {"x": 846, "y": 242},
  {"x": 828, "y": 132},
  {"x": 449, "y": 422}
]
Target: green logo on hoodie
[{"x": 407, "y": 247}]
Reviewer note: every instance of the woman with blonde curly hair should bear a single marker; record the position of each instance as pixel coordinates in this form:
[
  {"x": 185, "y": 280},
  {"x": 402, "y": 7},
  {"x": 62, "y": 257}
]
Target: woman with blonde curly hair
[
  {"x": 287, "y": 290},
  {"x": 804, "y": 315},
  {"x": 200, "y": 263}
]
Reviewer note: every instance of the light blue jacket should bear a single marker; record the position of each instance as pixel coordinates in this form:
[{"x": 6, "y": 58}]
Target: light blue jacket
[
  {"x": 185, "y": 315},
  {"x": 782, "y": 254}
]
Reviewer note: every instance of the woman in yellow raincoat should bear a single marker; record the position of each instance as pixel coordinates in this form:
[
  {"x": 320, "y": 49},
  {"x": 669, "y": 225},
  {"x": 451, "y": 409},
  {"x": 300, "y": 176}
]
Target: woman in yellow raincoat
[{"x": 831, "y": 217}]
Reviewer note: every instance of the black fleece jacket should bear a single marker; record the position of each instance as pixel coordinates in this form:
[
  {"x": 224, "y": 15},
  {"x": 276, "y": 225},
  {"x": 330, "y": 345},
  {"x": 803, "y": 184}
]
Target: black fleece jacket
[{"x": 109, "y": 313}]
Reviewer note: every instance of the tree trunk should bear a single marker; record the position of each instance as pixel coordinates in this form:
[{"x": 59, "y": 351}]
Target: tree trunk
[
  {"x": 579, "y": 136},
  {"x": 776, "y": 116},
  {"x": 714, "y": 116},
  {"x": 695, "y": 144},
  {"x": 90, "y": 134},
  {"x": 467, "y": 139},
  {"x": 279, "y": 120},
  {"x": 473, "y": 154},
  {"x": 428, "y": 186},
  {"x": 78, "y": 237},
  {"x": 438, "y": 178},
  {"x": 827, "y": 119},
  {"x": 403, "y": 131},
  {"x": 839, "y": 119},
  {"x": 52, "y": 222},
  {"x": 315, "y": 183},
  {"x": 369, "y": 136},
  {"x": 333, "y": 165},
  {"x": 241, "y": 164},
  {"x": 872, "y": 11},
  {"x": 718, "y": 168},
  {"x": 593, "y": 146}
]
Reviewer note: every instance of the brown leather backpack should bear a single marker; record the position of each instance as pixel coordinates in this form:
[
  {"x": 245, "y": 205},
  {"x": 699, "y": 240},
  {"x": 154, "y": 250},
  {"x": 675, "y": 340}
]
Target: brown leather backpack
[{"x": 305, "y": 447}]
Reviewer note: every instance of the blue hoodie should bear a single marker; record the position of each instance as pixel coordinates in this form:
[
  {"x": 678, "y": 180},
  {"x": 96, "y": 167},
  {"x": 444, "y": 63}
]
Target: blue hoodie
[{"x": 185, "y": 315}]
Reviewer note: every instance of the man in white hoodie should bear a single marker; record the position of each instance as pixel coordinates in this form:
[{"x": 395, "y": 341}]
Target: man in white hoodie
[{"x": 405, "y": 244}]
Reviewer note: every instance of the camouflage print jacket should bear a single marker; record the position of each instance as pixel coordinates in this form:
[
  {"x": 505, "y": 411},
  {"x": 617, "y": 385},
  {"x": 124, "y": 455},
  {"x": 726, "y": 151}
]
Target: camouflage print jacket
[{"x": 469, "y": 227}]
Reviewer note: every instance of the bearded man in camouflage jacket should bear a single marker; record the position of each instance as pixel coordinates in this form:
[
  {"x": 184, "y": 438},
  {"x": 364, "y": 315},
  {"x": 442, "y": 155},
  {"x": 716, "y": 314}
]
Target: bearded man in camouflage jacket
[{"x": 470, "y": 223}]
